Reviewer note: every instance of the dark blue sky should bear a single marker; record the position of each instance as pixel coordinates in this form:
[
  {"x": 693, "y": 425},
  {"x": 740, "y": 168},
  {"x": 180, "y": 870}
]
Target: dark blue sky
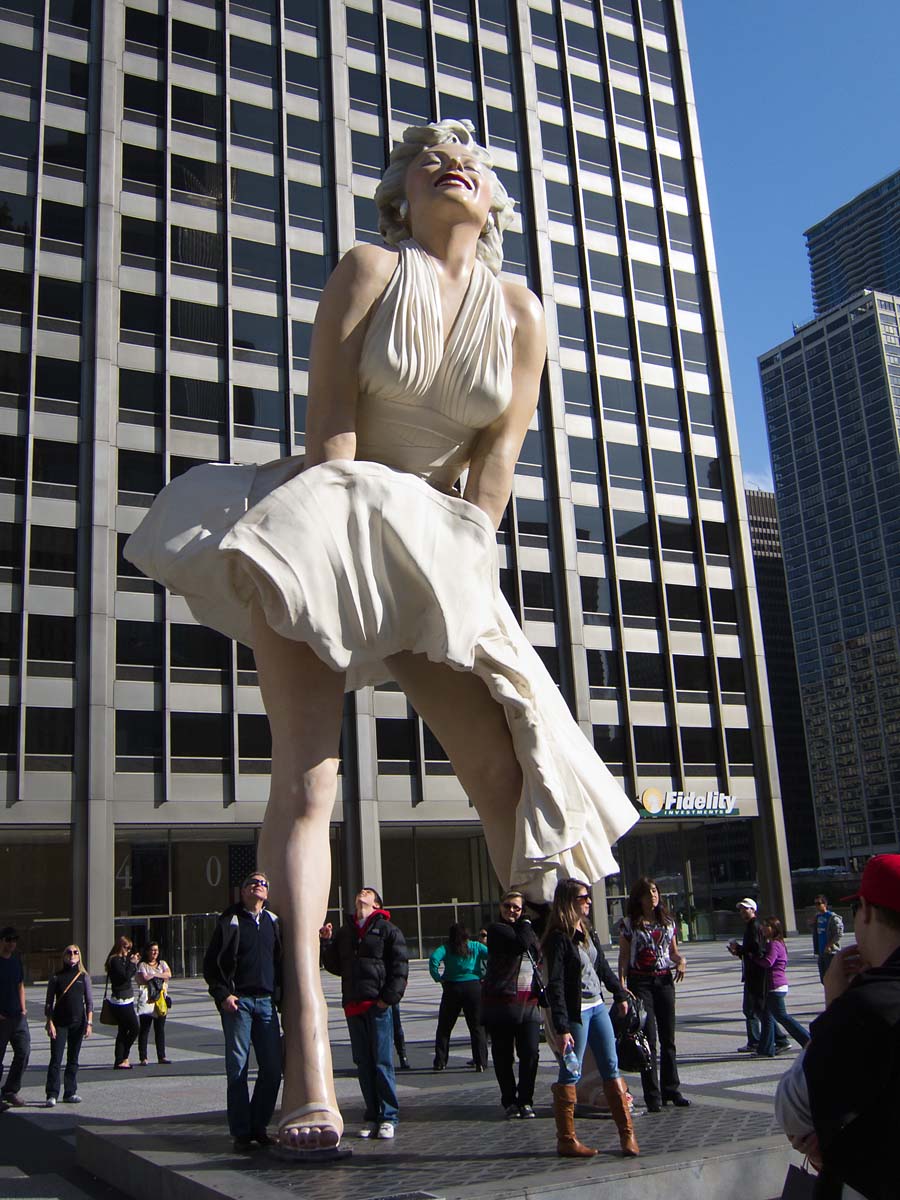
[{"x": 797, "y": 104}]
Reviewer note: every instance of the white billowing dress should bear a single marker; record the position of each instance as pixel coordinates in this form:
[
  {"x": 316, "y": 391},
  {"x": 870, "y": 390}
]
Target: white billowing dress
[{"x": 363, "y": 559}]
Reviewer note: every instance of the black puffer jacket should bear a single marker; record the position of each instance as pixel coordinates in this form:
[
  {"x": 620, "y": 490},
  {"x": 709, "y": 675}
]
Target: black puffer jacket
[
  {"x": 220, "y": 961},
  {"x": 563, "y": 964},
  {"x": 373, "y": 963}
]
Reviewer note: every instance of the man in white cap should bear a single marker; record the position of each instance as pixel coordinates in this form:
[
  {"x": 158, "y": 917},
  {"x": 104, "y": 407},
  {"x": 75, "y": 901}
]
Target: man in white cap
[
  {"x": 840, "y": 1101},
  {"x": 752, "y": 948}
]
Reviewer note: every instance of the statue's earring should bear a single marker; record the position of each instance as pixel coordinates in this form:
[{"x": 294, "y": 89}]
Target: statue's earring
[
  {"x": 403, "y": 211},
  {"x": 489, "y": 225}
]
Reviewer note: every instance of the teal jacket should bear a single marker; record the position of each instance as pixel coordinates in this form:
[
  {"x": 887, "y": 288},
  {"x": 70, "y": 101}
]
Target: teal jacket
[{"x": 457, "y": 969}]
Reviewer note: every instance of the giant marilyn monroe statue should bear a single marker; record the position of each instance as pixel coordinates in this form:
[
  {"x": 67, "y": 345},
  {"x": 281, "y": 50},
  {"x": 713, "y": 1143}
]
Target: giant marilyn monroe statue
[{"x": 362, "y": 562}]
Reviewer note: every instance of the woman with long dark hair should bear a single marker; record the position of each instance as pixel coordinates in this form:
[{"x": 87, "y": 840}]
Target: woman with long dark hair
[
  {"x": 650, "y": 964},
  {"x": 153, "y": 974},
  {"x": 69, "y": 1009},
  {"x": 576, "y": 967},
  {"x": 775, "y": 963},
  {"x": 121, "y": 966},
  {"x": 463, "y": 961}
]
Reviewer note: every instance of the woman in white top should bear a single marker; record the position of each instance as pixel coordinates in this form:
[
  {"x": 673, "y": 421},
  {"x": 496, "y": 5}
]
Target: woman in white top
[
  {"x": 650, "y": 963},
  {"x": 372, "y": 560},
  {"x": 153, "y": 974}
]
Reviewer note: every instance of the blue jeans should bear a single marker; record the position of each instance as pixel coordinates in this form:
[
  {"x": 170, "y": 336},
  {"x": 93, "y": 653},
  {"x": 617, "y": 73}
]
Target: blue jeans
[
  {"x": 256, "y": 1022},
  {"x": 372, "y": 1043},
  {"x": 776, "y": 1011},
  {"x": 595, "y": 1031},
  {"x": 825, "y": 962}
]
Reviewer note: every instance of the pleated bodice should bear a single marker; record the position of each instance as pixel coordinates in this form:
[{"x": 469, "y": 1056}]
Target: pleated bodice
[{"x": 425, "y": 394}]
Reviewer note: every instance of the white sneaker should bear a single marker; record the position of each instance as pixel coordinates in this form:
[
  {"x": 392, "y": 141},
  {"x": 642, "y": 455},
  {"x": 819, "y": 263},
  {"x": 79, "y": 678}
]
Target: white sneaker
[
  {"x": 50, "y": 1102},
  {"x": 386, "y": 1130},
  {"x": 368, "y": 1131}
]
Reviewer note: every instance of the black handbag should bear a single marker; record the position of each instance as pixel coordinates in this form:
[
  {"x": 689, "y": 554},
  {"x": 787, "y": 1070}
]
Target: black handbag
[
  {"x": 632, "y": 1047},
  {"x": 799, "y": 1183},
  {"x": 537, "y": 983},
  {"x": 108, "y": 1014}
]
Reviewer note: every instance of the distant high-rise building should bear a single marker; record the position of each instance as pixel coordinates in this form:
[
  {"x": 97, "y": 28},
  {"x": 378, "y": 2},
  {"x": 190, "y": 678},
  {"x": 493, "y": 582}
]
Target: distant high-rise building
[
  {"x": 857, "y": 246},
  {"x": 784, "y": 689},
  {"x": 832, "y": 395},
  {"x": 177, "y": 181}
]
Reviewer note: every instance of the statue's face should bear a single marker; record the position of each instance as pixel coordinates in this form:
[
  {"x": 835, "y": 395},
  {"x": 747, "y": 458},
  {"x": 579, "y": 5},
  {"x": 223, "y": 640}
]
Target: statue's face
[{"x": 449, "y": 175}]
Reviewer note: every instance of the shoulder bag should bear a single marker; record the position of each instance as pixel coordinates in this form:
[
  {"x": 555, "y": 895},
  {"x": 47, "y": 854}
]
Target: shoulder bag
[{"x": 108, "y": 1014}]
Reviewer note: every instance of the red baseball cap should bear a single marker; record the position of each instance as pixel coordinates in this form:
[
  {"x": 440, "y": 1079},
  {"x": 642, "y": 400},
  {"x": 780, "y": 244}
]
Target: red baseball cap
[{"x": 880, "y": 883}]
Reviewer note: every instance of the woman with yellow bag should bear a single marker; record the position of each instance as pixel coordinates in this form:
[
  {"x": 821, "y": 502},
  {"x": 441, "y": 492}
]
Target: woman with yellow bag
[{"x": 153, "y": 975}]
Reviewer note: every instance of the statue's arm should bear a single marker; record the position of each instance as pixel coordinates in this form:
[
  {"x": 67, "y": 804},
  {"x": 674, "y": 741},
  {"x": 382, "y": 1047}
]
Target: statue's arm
[
  {"x": 497, "y": 449},
  {"x": 340, "y": 327}
]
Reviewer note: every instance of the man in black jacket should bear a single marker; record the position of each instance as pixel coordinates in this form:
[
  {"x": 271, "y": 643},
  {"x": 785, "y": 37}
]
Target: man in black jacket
[
  {"x": 369, "y": 954},
  {"x": 754, "y": 975},
  {"x": 242, "y": 967},
  {"x": 840, "y": 1101}
]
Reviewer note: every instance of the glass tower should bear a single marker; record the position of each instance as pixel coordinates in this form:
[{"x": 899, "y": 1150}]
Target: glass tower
[
  {"x": 178, "y": 177},
  {"x": 781, "y": 665},
  {"x": 857, "y": 246},
  {"x": 832, "y": 398}
]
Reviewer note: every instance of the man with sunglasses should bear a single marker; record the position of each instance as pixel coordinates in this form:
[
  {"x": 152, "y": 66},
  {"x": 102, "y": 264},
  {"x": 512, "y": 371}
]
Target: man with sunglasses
[
  {"x": 243, "y": 970},
  {"x": 13, "y": 1018},
  {"x": 840, "y": 1101},
  {"x": 509, "y": 1004}
]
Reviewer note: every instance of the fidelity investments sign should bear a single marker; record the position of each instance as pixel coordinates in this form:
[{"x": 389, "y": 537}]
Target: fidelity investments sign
[{"x": 687, "y": 804}]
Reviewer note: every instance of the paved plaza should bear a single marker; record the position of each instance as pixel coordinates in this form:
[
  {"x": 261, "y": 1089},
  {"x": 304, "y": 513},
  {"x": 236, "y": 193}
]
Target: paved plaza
[{"x": 167, "y": 1123}]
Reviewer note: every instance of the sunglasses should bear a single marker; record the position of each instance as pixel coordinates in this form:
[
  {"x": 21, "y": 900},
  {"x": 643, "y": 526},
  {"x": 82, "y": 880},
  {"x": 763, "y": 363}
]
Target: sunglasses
[
  {"x": 71, "y": 953},
  {"x": 511, "y": 907},
  {"x": 585, "y": 896},
  {"x": 257, "y": 883}
]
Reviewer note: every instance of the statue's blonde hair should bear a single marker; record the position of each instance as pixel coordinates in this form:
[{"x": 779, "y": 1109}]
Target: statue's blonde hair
[{"x": 390, "y": 197}]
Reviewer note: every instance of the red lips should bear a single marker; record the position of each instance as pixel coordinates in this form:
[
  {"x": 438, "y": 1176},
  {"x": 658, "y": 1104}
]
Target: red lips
[{"x": 453, "y": 177}]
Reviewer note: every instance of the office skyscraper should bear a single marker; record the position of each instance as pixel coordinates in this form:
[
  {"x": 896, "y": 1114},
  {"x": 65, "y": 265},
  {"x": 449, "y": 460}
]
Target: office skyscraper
[
  {"x": 832, "y": 394},
  {"x": 857, "y": 246},
  {"x": 784, "y": 689},
  {"x": 178, "y": 178}
]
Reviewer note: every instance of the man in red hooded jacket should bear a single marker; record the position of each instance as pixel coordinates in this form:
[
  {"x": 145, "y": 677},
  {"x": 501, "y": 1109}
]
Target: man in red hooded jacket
[{"x": 369, "y": 954}]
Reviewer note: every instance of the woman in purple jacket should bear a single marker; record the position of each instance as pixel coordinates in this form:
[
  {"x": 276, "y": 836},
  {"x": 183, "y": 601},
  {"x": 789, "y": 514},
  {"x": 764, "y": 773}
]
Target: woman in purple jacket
[{"x": 775, "y": 962}]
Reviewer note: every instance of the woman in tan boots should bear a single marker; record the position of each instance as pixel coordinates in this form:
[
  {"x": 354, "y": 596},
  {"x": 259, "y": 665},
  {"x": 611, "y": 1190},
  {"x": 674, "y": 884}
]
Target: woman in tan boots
[{"x": 576, "y": 968}]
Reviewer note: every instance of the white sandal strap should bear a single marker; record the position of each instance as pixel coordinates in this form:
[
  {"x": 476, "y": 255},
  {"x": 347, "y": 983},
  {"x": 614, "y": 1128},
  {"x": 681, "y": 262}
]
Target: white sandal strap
[{"x": 291, "y": 1121}]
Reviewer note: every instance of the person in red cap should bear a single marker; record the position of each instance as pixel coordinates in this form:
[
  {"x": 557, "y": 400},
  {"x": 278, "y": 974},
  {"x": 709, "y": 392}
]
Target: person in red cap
[{"x": 840, "y": 1101}]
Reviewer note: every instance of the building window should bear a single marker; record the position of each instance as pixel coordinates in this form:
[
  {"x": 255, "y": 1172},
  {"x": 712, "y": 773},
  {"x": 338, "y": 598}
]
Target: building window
[
  {"x": 62, "y": 222},
  {"x": 60, "y": 299},
  {"x": 49, "y": 739},
  {"x": 51, "y": 645},
  {"x": 203, "y": 323},
  {"x": 254, "y": 743},
  {"x": 198, "y": 654},
  {"x": 140, "y": 477},
  {"x": 653, "y": 747},
  {"x": 200, "y": 742},
  {"x": 196, "y": 41},
  {"x": 396, "y": 740},
  {"x": 55, "y": 465},
  {"x": 139, "y": 741},
  {"x": 699, "y": 748},
  {"x": 53, "y": 556},
  {"x": 64, "y": 148},
  {"x": 195, "y": 177},
  {"x": 139, "y": 650},
  {"x": 57, "y": 379}
]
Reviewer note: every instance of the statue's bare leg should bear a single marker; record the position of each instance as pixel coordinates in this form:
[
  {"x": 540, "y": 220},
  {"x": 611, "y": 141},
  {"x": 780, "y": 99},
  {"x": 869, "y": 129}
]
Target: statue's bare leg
[
  {"x": 472, "y": 728},
  {"x": 304, "y": 702}
]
